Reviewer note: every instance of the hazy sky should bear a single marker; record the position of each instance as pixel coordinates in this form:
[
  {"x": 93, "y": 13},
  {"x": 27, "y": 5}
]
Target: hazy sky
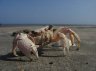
[{"x": 48, "y": 11}]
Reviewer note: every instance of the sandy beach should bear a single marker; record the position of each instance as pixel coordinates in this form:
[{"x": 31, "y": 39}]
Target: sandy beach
[{"x": 52, "y": 59}]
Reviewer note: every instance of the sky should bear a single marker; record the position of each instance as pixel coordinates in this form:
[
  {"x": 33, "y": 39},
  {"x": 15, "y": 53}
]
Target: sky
[{"x": 48, "y": 11}]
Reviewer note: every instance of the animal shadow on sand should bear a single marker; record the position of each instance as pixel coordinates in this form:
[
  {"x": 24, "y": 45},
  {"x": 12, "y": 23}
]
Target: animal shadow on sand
[
  {"x": 10, "y": 57},
  {"x": 42, "y": 54},
  {"x": 53, "y": 56}
]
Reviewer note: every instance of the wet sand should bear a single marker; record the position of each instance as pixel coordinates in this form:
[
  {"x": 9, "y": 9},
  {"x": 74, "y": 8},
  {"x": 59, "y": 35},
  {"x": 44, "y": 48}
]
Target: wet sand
[{"x": 52, "y": 59}]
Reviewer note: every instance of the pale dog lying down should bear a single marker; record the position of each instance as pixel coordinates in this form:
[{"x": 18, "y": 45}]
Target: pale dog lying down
[{"x": 25, "y": 45}]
